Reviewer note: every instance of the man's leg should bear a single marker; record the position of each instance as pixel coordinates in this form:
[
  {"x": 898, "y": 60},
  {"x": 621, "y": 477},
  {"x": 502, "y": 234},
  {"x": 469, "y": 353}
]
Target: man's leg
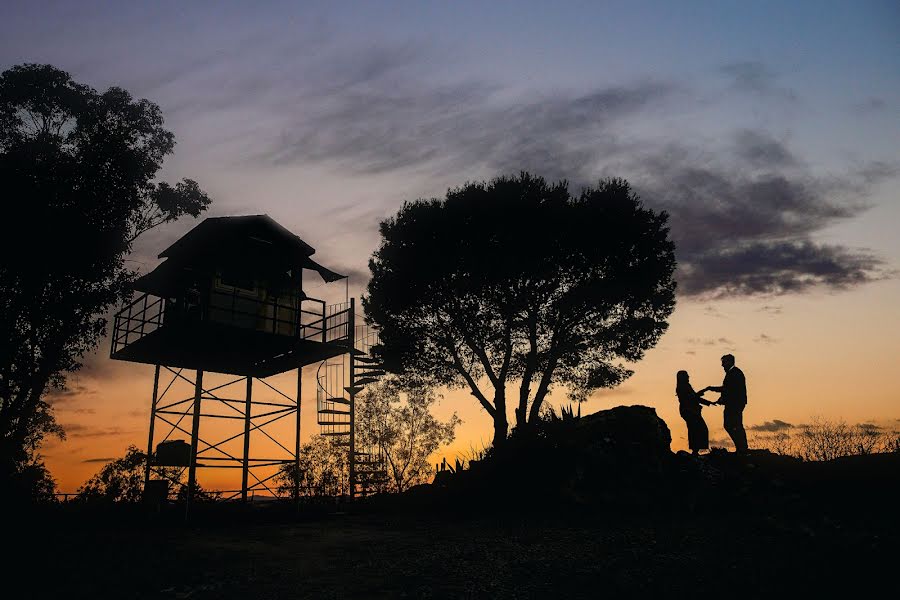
[{"x": 734, "y": 425}]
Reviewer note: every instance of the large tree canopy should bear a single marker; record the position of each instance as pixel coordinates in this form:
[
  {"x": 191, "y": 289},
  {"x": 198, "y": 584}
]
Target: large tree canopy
[
  {"x": 517, "y": 280},
  {"x": 77, "y": 169}
]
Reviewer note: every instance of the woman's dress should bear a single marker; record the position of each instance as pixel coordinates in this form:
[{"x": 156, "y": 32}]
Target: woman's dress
[{"x": 689, "y": 406}]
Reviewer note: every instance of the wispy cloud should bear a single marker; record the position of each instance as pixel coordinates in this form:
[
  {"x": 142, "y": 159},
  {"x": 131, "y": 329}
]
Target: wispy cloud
[
  {"x": 712, "y": 311},
  {"x": 79, "y": 430},
  {"x": 744, "y": 217},
  {"x": 755, "y": 77},
  {"x": 762, "y": 338},
  {"x": 722, "y": 341},
  {"x": 745, "y": 211},
  {"x": 772, "y": 426}
]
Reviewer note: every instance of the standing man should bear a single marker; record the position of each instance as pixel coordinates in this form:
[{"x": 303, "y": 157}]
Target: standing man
[{"x": 734, "y": 399}]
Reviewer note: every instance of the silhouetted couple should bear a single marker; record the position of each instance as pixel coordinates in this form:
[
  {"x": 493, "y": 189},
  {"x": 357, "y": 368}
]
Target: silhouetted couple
[{"x": 733, "y": 396}]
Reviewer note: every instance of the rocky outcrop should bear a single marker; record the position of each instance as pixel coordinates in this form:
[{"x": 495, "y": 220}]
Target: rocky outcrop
[{"x": 615, "y": 454}]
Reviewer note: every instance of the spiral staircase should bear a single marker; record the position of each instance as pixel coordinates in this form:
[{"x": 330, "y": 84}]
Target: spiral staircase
[{"x": 338, "y": 381}]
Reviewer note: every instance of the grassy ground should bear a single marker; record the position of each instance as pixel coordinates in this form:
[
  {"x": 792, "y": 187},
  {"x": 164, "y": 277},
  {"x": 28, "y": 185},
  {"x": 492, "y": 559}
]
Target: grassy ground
[{"x": 831, "y": 530}]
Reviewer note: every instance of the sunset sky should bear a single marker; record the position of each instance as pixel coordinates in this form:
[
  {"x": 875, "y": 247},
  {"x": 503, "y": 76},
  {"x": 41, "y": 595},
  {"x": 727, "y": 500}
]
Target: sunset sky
[{"x": 771, "y": 133}]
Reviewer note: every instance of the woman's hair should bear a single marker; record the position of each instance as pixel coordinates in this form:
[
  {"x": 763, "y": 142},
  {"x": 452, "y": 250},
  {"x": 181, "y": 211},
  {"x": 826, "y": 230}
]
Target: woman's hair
[{"x": 682, "y": 381}]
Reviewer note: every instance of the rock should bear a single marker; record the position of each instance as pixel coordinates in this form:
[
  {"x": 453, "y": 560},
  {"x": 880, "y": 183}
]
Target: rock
[
  {"x": 617, "y": 453},
  {"x": 626, "y": 431}
]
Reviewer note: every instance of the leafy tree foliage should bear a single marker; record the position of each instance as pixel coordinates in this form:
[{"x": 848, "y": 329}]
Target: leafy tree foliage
[
  {"x": 517, "y": 280},
  {"x": 398, "y": 424},
  {"x": 324, "y": 470},
  {"x": 78, "y": 170},
  {"x": 122, "y": 481}
]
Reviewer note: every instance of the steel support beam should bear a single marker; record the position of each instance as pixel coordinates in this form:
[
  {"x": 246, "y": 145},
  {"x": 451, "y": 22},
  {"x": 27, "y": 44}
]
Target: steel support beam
[
  {"x": 245, "y": 470},
  {"x": 195, "y": 437},
  {"x": 152, "y": 423}
]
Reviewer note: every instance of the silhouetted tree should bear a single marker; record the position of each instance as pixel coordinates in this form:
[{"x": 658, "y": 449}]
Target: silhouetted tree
[
  {"x": 77, "y": 169},
  {"x": 122, "y": 480},
  {"x": 517, "y": 280},
  {"x": 324, "y": 470},
  {"x": 399, "y": 423}
]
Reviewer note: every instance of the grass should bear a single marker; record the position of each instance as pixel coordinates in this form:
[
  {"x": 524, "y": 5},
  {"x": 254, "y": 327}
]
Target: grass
[{"x": 747, "y": 550}]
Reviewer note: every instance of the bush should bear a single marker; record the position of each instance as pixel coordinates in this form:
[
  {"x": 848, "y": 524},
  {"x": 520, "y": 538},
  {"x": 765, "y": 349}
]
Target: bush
[{"x": 822, "y": 440}]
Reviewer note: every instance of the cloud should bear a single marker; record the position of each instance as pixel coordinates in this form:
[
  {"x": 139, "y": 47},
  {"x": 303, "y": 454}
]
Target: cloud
[
  {"x": 712, "y": 311},
  {"x": 878, "y": 170},
  {"x": 720, "y": 442},
  {"x": 871, "y": 106},
  {"x": 772, "y": 426},
  {"x": 79, "y": 411},
  {"x": 754, "y": 77},
  {"x": 611, "y": 392},
  {"x": 743, "y": 233},
  {"x": 392, "y": 125},
  {"x": 777, "y": 268},
  {"x": 72, "y": 391},
  {"x": 765, "y": 339},
  {"x": 758, "y": 149},
  {"x": 99, "y": 460},
  {"x": 745, "y": 212},
  {"x": 79, "y": 430},
  {"x": 722, "y": 341}
]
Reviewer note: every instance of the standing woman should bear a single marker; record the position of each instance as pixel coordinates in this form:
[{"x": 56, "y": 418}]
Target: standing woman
[{"x": 689, "y": 405}]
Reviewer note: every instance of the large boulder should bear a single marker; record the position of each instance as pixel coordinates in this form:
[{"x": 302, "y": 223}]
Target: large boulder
[
  {"x": 612, "y": 454},
  {"x": 624, "y": 432}
]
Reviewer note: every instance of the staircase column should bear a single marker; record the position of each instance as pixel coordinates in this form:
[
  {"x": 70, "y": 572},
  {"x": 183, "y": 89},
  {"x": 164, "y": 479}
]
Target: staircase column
[{"x": 351, "y": 324}]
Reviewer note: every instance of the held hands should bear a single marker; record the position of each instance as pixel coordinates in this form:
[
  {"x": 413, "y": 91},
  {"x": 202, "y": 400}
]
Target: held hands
[{"x": 707, "y": 402}]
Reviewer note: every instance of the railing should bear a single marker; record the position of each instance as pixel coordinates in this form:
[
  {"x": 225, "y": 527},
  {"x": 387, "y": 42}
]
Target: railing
[
  {"x": 366, "y": 336},
  {"x": 137, "y": 319},
  {"x": 309, "y": 319}
]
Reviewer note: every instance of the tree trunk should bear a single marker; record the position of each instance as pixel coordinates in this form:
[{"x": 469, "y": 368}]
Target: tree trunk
[
  {"x": 501, "y": 428},
  {"x": 501, "y": 424}
]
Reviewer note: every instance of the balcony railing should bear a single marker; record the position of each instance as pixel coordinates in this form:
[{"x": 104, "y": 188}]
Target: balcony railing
[
  {"x": 310, "y": 319},
  {"x": 145, "y": 314}
]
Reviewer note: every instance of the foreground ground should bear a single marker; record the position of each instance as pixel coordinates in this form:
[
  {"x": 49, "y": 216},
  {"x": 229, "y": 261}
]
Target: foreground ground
[{"x": 802, "y": 542}]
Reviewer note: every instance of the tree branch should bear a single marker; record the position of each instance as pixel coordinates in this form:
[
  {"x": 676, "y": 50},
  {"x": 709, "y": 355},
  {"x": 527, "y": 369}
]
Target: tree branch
[{"x": 473, "y": 386}]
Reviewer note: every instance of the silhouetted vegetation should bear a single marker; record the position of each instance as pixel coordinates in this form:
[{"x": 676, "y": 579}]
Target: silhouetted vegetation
[
  {"x": 518, "y": 280},
  {"x": 823, "y": 439},
  {"x": 324, "y": 470},
  {"x": 397, "y": 421},
  {"x": 78, "y": 169},
  {"x": 121, "y": 481}
]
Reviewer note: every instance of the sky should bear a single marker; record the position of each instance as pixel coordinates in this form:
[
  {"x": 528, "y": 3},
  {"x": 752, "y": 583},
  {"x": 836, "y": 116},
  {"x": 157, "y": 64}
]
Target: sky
[{"x": 770, "y": 133}]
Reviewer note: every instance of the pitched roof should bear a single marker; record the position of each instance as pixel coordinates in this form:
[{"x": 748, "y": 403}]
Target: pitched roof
[
  {"x": 253, "y": 243},
  {"x": 212, "y": 232}
]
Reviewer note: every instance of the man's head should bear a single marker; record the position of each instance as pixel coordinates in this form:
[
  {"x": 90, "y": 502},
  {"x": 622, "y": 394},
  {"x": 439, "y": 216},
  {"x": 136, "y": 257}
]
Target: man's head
[{"x": 727, "y": 361}]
